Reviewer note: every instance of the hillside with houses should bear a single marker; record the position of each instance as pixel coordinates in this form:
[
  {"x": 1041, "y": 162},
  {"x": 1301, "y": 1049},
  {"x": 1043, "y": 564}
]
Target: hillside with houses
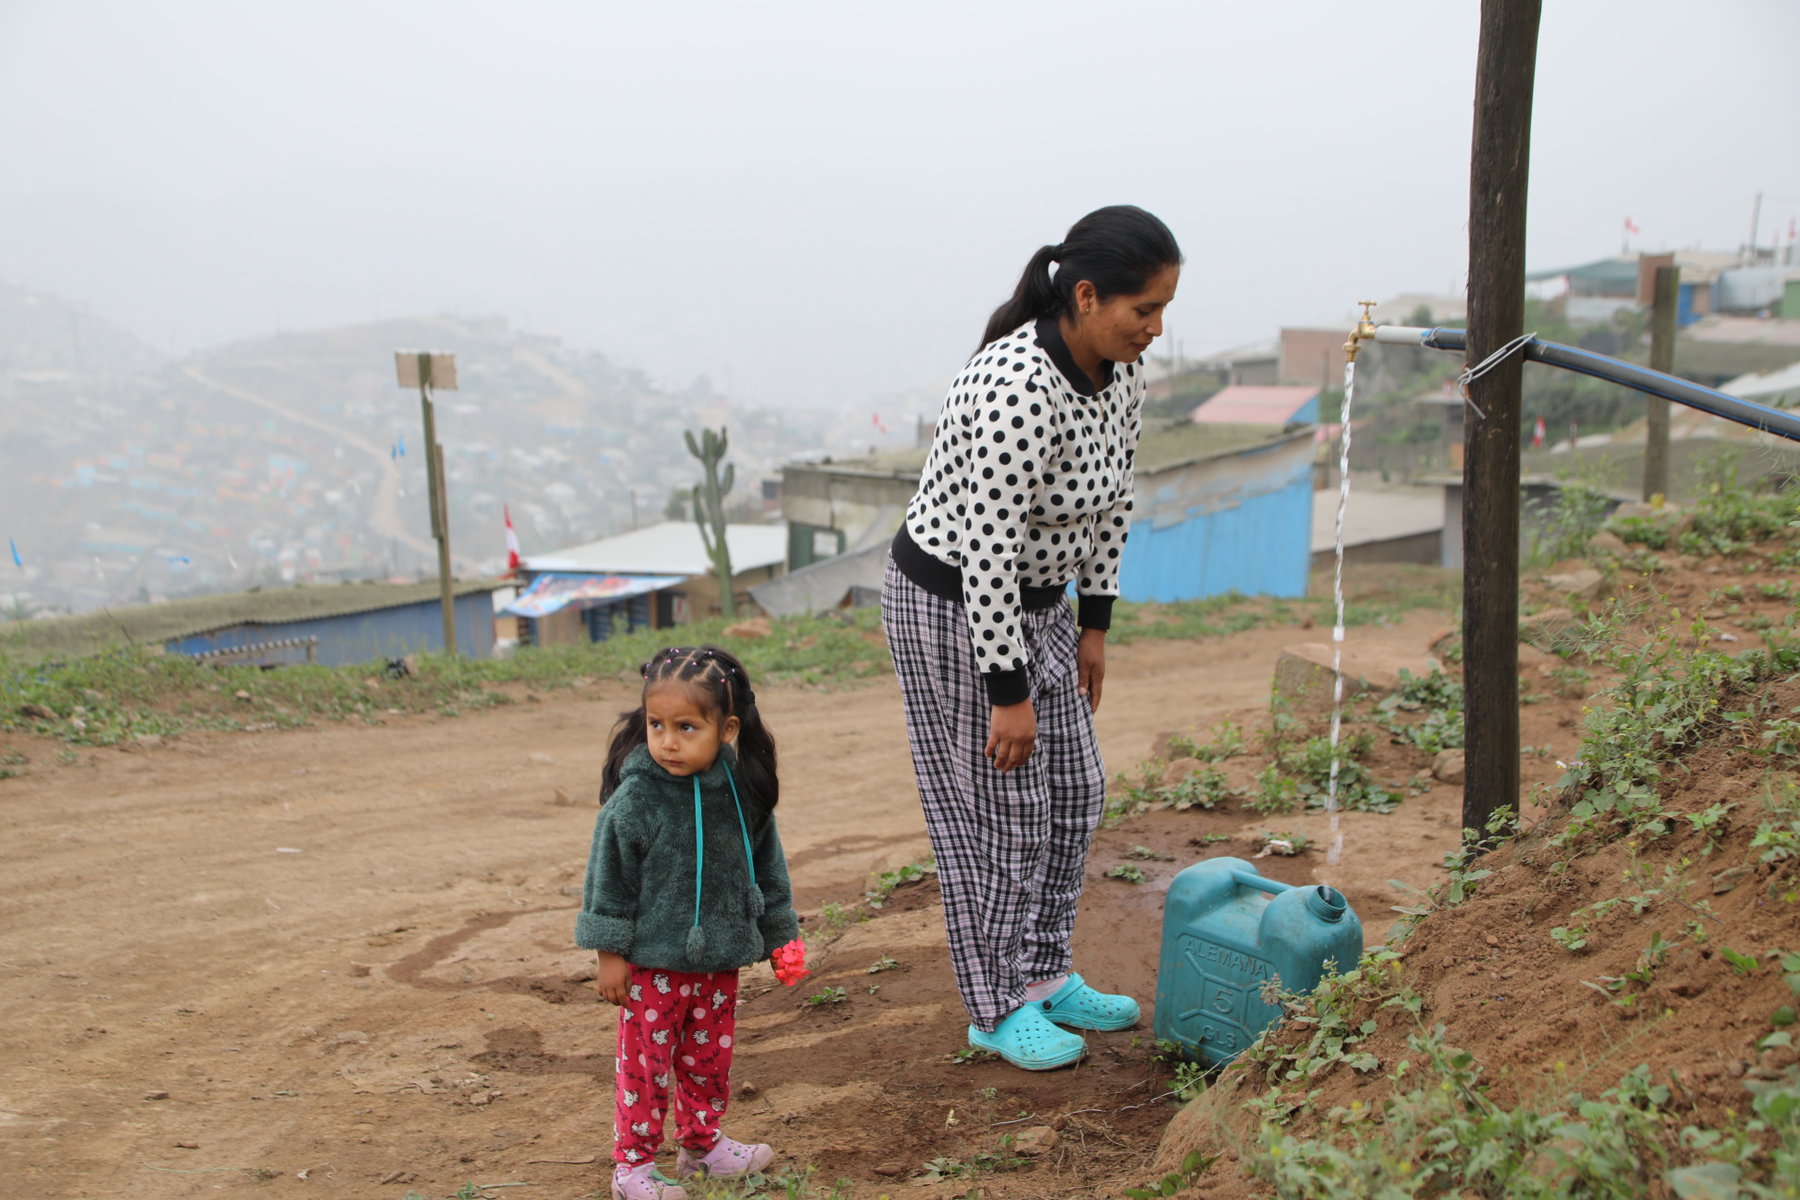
[{"x": 127, "y": 476}]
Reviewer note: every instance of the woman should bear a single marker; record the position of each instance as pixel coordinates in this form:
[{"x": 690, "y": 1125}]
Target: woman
[{"x": 1027, "y": 489}]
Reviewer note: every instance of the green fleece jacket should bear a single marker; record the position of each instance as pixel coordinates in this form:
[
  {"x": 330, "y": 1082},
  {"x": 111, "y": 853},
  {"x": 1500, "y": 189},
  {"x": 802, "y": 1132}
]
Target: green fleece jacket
[{"x": 639, "y": 898}]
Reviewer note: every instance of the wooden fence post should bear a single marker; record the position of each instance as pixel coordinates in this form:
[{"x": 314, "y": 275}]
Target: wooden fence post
[{"x": 1506, "y": 63}]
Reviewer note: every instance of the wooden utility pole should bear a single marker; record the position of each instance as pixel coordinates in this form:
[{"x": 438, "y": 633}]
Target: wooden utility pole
[
  {"x": 427, "y": 370},
  {"x": 1662, "y": 358},
  {"x": 1505, "y": 65}
]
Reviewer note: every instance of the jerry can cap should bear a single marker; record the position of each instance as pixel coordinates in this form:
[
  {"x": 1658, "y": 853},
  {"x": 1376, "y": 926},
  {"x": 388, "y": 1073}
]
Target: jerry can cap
[{"x": 1326, "y": 903}]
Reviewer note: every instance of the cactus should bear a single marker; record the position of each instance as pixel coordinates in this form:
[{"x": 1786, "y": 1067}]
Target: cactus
[{"x": 709, "y": 511}]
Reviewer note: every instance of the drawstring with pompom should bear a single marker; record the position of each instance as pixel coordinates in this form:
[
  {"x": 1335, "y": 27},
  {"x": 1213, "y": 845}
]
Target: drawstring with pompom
[{"x": 696, "y": 939}]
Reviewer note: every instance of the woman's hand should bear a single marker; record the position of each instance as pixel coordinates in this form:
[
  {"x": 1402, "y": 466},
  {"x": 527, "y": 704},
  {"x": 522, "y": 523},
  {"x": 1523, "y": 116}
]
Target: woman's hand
[
  {"x": 1090, "y": 666},
  {"x": 1012, "y": 732},
  {"x": 612, "y": 978}
]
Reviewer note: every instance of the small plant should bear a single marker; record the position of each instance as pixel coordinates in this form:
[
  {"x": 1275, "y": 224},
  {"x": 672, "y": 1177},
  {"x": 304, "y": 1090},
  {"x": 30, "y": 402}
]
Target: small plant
[
  {"x": 1710, "y": 823},
  {"x": 828, "y": 995},
  {"x": 972, "y": 1054},
  {"x": 1740, "y": 964},
  {"x": 1311, "y": 764},
  {"x": 1192, "y": 1167},
  {"x": 1227, "y": 742},
  {"x": 1146, "y": 854},
  {"x": 1650, "y": 958},
  {"x": 1127, "y": 872},
  {"x": 887, "y": 881},
  {"x": 838, "y": 917},
  {"x": 1275, "y": 792},
  {"x": 1651, "y": 532},
  {"x": 1562, "y": 525},
  {"x": 886, "y": 962},
  {"x": 1432, "y": 706},
  {"x": 1203, "y": 789},
  {"x": 1284, "y": 843},
  {"x": 1777, "y": 840}
]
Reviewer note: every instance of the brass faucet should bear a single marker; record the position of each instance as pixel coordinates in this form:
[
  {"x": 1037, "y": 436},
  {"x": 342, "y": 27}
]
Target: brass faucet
[{"x": 1364, "y": 331}]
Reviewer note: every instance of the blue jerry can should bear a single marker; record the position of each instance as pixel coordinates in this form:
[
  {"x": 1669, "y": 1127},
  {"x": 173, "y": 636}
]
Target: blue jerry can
[{"x": 1226, "y": 932}]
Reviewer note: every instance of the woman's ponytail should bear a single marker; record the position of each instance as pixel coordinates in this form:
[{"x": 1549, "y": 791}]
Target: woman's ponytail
[{"x": 1035, "y": 297}]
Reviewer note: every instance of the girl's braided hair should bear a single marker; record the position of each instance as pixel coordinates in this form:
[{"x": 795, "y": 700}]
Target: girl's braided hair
[{"x": 718, "y": 678}]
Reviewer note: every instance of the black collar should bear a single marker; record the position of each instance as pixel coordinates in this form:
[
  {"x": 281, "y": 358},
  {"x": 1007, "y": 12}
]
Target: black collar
[{"x": 1049, "y": 336}]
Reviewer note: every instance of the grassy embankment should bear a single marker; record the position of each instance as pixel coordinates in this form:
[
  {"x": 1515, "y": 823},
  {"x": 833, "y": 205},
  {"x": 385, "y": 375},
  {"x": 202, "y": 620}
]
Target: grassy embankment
[
  {"x": 117, "y": 692},
  {"x": 1602, "y": 1004}
]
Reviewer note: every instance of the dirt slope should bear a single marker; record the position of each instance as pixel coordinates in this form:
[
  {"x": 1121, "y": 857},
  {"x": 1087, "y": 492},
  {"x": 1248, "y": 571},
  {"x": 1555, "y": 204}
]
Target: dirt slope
[{"x": 336, "y": 961}]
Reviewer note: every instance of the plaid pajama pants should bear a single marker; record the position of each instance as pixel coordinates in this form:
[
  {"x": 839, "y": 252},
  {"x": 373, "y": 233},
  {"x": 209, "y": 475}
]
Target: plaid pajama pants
[{"x": 1010, "y": 846}]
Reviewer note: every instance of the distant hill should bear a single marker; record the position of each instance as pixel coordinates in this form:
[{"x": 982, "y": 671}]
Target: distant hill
[
  {"x": 44, "y": 335},
  {"x": 126, "y": 476}
]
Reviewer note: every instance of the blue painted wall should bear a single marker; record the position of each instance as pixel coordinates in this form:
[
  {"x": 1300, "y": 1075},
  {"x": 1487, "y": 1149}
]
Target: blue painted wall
[
  {"x": 1239, "y": 523},
  {"x": 363, "y": 637}
]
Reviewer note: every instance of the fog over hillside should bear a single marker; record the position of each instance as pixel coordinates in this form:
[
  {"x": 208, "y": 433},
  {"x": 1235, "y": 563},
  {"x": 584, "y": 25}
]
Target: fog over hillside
[{"x": 126, "y": 476}]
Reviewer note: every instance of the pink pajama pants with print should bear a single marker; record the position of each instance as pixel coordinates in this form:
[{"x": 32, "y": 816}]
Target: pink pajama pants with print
[{"x": 676, "y": 1033}]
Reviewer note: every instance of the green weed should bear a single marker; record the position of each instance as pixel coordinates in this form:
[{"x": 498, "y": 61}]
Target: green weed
[
  {"x": 1192, "y": 1167},
  {"x": 1447, "y": 1137},
  {"x": 887, "y": 881},
  {"x": 1434, "y": 704}
]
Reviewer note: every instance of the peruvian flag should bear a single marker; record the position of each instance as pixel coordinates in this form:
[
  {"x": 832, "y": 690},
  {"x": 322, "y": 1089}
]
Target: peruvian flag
[
  {"x": 512, "y": 543},
  {"x": 1631, "y": 226},
  {"x": 1538, "y": 433}
]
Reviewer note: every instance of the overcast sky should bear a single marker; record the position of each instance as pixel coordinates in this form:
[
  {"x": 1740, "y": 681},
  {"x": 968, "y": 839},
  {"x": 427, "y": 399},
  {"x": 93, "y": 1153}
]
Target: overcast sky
[{"x": 820, "y": 203}]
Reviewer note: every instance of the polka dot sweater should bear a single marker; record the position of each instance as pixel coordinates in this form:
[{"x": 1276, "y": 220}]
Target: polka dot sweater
[{"x": 1027, "y": 488}]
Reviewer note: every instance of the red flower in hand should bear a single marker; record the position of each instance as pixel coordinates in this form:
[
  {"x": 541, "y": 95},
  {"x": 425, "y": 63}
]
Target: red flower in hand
[{"x": 789, "y": 962}]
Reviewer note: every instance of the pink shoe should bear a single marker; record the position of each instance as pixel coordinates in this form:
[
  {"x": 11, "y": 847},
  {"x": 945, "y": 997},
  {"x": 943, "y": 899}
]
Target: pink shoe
[
  {"x": 726, "y": 1160},
  {"x": 644, "y": 1182}
]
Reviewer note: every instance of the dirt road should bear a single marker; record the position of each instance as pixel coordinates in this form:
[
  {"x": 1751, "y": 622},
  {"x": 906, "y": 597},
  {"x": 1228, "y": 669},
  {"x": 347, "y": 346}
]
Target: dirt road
[{"x": 337, "y": 961}]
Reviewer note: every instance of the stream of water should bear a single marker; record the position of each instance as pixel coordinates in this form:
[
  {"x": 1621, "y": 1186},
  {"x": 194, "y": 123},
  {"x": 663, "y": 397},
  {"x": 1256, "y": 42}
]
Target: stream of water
[{"x": 1336, "y": 849}]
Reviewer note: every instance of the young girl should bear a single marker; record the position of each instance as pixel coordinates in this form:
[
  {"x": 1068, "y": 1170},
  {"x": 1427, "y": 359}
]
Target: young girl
[{"x": 686, "y": 883}]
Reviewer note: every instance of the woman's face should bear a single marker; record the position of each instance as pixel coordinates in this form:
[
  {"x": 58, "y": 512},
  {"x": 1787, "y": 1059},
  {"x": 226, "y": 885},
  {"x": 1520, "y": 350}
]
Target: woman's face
[{"x": 1121, "y": 328}]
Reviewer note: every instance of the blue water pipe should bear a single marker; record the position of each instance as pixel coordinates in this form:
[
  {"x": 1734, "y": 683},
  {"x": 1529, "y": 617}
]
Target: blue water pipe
[{"x": 1585, "y": 362}]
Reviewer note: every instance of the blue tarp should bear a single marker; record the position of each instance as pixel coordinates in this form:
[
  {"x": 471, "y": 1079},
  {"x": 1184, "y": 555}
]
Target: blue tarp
[{"x": 554, "y": 591}]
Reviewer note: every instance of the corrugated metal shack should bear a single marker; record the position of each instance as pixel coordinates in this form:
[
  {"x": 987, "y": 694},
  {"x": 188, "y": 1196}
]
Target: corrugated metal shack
[{"x": 338, "y": 626}]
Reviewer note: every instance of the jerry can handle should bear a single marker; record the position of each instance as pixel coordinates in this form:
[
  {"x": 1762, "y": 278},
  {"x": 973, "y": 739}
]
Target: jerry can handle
[{"x": 1251, "y": 880}]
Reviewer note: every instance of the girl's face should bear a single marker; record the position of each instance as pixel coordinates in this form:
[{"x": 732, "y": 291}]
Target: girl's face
[{"x": 683, "y": 734}]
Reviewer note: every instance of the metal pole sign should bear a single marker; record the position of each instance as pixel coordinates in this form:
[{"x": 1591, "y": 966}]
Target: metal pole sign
[{"x": 425, "y": 370}]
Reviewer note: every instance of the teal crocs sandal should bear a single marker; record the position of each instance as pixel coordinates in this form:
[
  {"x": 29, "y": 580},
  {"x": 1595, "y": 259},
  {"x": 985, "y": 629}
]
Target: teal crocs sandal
[
  {"x": 1081, "y": 1007},
  {"x": 1028, "y": 1040}
]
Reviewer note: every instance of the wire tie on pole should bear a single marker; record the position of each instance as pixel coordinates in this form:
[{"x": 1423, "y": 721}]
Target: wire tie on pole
[{"x": 1471, "y": 374}]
